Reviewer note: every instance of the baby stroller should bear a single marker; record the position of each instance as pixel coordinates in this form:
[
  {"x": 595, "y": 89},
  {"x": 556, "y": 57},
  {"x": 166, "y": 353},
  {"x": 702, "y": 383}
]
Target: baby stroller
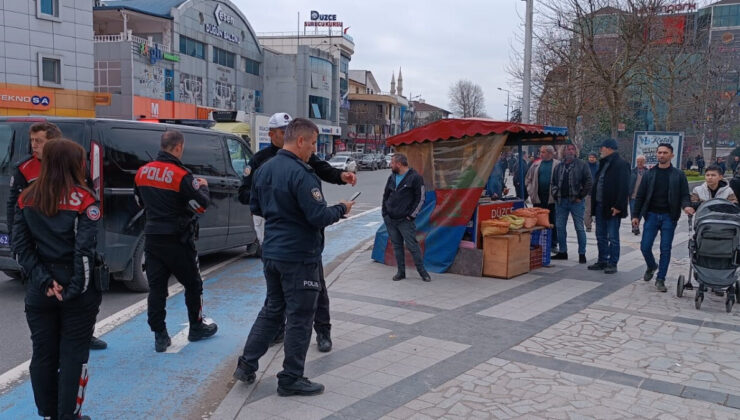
[{"x": 714, "y": 249}]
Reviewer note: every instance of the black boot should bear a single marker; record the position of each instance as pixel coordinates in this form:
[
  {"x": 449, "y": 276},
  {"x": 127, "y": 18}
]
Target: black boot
[
  {"x": 400, "y": 275},
  {"x": 424, "y": 275},
  {"x": 98, "y": 344},
  {"x": 202, "y": 331},
  {"x": 301, "y": 386},
  {"x": 560, "y": 256},
  {"x": 323, "y": 340},
  {"x": 161, "y": 341},
  {"x": 582, "y": 259},
  {"x": 244, "y": 373},
  {"x": 597, "y": 266}
]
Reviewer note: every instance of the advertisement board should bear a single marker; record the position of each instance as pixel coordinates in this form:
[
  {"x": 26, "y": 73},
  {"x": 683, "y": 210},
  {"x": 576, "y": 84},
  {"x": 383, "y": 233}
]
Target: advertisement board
[
  {"x": 646, "y": 144},
  {"x": 261, "y": 129}
]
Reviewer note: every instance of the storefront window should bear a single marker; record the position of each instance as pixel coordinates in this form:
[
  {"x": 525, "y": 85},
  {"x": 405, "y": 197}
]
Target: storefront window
[{"x": 319, "y": 107}]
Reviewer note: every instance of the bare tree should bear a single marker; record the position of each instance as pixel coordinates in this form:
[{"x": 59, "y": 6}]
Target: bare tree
[{"x": 466, "y": 99}]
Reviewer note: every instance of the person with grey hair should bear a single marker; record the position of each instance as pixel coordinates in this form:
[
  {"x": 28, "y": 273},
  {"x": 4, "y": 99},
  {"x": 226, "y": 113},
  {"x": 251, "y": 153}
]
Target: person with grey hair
[
  {"x": 403, "y": 199},
  {"x": 539, "y": 184},
  {"x": 635, "y": 179}
]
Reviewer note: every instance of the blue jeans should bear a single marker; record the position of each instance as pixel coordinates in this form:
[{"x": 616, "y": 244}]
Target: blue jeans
[
  {"x": 576, "y": 209},
  {"x": 607, "y": 236},
  {"x": 655, "y": 222}
]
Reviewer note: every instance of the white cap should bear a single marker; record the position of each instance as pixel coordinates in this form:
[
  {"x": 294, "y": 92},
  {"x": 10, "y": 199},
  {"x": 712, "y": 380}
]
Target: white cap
[{"x": 279, "y": 120}]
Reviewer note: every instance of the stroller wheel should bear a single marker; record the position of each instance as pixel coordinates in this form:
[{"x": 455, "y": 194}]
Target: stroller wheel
[
  {"x": 698, "y": 300},
  {"x": 737, "y": 291},
  {"x": 729, "y": 303},
  {"x": 679, "y": 286}
]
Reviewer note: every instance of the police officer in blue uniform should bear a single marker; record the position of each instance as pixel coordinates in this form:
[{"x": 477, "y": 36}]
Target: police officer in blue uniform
[
  {"x": 327, "y": 173},
  {"x": 287, "y": 193}
]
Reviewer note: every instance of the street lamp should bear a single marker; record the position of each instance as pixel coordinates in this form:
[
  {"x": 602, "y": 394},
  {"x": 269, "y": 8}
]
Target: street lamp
[
  {"x": 507, "y": 101},
  {"x": 527, "y": 82}
]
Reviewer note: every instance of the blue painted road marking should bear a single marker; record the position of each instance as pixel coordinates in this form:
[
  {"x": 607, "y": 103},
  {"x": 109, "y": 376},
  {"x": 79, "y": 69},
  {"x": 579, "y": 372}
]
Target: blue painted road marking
[{"x": 130, "y": 380}]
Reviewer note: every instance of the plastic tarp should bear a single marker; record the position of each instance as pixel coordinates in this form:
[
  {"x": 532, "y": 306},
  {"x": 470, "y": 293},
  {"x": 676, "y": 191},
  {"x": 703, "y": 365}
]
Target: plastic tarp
[{"x": 455, "y": 172}]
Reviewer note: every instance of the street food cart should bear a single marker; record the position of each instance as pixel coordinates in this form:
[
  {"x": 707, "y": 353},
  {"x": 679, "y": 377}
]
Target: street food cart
[{"x": 455, "y": 157}]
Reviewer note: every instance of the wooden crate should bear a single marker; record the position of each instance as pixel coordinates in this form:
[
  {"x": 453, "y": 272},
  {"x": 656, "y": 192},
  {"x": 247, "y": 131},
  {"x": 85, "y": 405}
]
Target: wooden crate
[{"x": 506, "y": 256}]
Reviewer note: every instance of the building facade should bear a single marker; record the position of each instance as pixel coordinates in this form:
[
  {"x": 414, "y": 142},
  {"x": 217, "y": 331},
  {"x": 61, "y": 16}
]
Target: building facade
[
  {"x": 176, "y": 59},
  {"x": 46, "y": 58},
  {"x": 321, "y": 59}
]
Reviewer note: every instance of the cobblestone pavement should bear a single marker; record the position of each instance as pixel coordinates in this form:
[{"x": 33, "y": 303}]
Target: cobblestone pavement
[{"x": 559, "y": 342}]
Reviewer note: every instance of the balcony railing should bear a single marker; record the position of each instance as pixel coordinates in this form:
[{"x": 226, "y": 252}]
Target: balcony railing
[{"x": 133, "y": 38}]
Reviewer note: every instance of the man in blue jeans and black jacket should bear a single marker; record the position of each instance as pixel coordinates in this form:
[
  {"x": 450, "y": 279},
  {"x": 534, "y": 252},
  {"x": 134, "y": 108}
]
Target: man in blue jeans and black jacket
[
  {"x": 403, "y": 199},
  {"x": 571, "y": 183},
  {"x": 664, "y": 191}
]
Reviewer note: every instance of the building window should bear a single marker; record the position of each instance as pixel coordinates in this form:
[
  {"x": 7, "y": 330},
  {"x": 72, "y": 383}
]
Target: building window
[
  {"x": 48, "y": 9},
  {"x": 223, "y": 57},
  {"x": 319, "y": 108},
  {"x": 726, "y": 16},
  {"x": 252, "y": 66},
  {"x": 50, "y": 70},
  {"x": 192, "y": 47}
]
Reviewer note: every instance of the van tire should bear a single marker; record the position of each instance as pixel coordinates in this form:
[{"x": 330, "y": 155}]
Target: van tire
[{"x": 138, "y": 282}]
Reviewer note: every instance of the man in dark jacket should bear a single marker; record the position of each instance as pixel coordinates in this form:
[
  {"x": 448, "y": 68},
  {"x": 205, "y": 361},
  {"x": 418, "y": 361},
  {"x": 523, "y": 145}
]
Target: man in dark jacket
[
  {"x": 664, "y": 191},
  {"x": 403, "y": 198},
  {"x": 593, "y": 166},
  {"x": 571, "y": 183},
  {"x": 700, "y": 164},
  {"x": 609, "y": 205}
]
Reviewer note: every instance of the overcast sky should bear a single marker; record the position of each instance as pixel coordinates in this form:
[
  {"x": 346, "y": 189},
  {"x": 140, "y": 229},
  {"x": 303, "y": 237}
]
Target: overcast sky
[{"x": 435, "y": 42}]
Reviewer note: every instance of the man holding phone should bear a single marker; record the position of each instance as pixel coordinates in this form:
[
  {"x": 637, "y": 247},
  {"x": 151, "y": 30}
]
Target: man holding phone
[{"x": 278, "y": 123}]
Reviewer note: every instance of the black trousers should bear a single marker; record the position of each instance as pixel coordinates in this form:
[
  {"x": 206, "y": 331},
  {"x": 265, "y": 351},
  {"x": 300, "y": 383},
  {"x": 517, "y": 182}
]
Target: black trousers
[
  {"x": 404, "y": 232},
  {"x": 60, "y": 334},
  {"x": 322, "y": 320},
  {"x": 293, "y": 289},
  {"x": 165, "y": 256}
]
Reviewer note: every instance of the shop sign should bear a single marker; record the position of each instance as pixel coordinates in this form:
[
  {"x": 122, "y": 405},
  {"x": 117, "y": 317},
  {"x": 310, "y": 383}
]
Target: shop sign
[
  {"x": 154, "y": 54},
  {"x": 216, "y": 31},
  {"x": 21, "y": 99},
  {"x": 221, "y": 16},
  {"x": 330, "y": 130},
  {"x": 171, "y": 57},
  {"x": 666, "y": 9},
  {"x": 318, "y": 19}
]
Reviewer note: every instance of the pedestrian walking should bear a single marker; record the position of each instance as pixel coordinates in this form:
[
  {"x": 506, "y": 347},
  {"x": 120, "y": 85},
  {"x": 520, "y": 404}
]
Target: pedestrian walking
[
  {"x": 287, "y": 193},
  {"x": 539, "y": 183},
  {"x": 571, "y": 184},
  {"x": 609, "y": 205},
  {"x": 593, "y": 166},
  {"x": 277, "y": 123},
  {"x": 638, "y": 172},
  {"x": 722, "y": 165},
  {"x": 700, "y": 163},
  {"x": 689, "y": 163},
  {"x": 26, "y": 171},
  {"x": 663, "y": 192},
  {"x": 173, "y": 200},
  {"x": 54, "y": 237},
  {"x": 403, "y": 199}
]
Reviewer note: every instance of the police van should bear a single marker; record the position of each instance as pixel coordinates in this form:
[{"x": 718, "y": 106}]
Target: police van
[{"x": 116, "y": 150}]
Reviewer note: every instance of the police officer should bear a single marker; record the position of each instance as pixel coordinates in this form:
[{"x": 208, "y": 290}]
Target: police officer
[
  {"x": 54, "y": 237},
  {"x": 173, "y": 199},
  {"x": 287, "y": 193},
  {"x": 327, "y": 173},
  {"x": 26, "y": 171}
]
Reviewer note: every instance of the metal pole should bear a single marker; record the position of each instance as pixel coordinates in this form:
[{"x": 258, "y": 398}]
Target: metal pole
[
  {"x": 507, "y": 105},
  {"x": 527, "y": 82}
]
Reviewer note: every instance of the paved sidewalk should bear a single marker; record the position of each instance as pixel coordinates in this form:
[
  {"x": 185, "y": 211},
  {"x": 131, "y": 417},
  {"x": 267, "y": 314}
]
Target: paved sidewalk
[{"x": 559, "y": 342}]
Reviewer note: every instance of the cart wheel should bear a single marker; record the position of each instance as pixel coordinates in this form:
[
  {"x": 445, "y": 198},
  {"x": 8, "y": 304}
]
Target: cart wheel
[
  {"x": 679, "y": 286},
  {"x": 698, "y": 300}
]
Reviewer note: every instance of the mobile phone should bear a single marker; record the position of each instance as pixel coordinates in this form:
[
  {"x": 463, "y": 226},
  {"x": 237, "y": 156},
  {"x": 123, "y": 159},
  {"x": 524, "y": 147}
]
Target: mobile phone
[{"x": 355, "y": 195}]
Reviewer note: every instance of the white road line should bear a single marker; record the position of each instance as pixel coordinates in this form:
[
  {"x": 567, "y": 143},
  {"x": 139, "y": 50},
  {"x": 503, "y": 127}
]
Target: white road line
[
  {"x": 17, "y": 373},
  {"x": 371, "y": 224},
  {"x": 357, "y": 215}
]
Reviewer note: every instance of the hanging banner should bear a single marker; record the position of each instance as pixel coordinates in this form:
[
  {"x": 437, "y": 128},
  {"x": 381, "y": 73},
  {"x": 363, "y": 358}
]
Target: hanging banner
[{"x": 646, "y": 144}]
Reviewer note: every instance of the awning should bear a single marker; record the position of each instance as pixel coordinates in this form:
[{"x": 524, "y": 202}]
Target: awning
[
  {"x": 239, "y": 128},
  {"x": 453, "y": 128}
]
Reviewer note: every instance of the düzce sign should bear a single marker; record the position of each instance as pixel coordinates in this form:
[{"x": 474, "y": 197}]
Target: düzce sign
[
  {"x": 21, "y": 99},
  {"x": 318, "y": 19}
]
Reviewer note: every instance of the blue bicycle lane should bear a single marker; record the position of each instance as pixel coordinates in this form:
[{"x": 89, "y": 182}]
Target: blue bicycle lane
[{"x": 129, "y": 380}]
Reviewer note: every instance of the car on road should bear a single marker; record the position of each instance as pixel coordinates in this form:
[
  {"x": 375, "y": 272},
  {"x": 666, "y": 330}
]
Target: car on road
[
  {"x": 380, "y": 160},
  {"x": 367, "y": 161},
  {"x": 343, "y": 162},
  {"x": 116, "y": 150}
]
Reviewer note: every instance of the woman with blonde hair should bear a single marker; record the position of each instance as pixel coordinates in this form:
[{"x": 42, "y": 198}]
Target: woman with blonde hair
[{"x": 54, "y": 237}]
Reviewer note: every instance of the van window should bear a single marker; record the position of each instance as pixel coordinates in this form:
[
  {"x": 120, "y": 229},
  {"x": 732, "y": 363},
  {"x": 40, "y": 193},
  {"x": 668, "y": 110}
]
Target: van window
[
  {"x": 6, "y": 147},
  {"x": 204, "y": 154},
  {"x": 126, "y": 150},
  {"x": 239, "y": 155}
]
